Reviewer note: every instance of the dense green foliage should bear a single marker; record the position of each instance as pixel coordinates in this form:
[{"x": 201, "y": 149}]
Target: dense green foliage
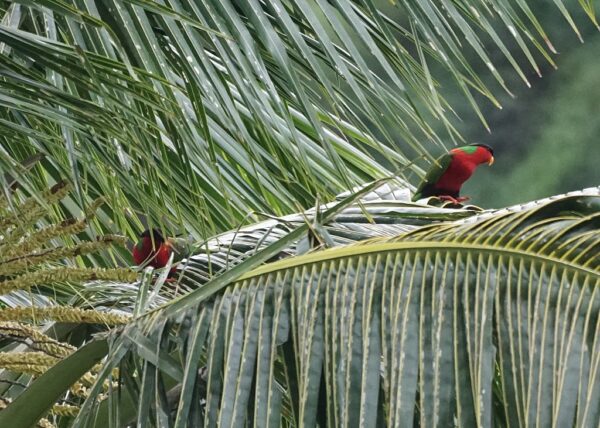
[
  {"x": 491, "y": 320},
  {"x": 204, "y": 115},
  {"x": 277, "y": 104}
]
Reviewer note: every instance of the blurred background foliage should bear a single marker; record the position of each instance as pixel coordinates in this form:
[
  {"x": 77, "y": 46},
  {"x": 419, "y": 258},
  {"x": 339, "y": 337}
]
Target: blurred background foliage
[{"x": 546, "y": 138}]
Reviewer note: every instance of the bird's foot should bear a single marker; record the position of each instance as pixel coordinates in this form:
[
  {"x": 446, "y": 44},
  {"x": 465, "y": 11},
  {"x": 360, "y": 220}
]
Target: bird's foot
[
  {"x": 447, "y": 198},
  {"x": 455, "y": 201}
]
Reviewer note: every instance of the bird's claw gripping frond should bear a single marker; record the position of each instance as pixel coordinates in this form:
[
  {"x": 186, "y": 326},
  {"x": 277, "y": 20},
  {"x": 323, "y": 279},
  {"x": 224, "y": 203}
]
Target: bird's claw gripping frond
[{"x": 457, "y": 201}]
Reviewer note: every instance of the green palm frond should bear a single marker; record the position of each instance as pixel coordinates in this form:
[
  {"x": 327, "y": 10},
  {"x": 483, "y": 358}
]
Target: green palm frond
[
  {"x": 491, "y": 320},
  {"x": 190, "y": 114},
  {"x": 385, "y": 211}
]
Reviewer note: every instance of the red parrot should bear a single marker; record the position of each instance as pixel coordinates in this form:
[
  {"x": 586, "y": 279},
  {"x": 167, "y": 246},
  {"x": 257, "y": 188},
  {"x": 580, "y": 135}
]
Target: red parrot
[
  {"x": 446, "y": 177},
  {"x": 152, "y": 250}
]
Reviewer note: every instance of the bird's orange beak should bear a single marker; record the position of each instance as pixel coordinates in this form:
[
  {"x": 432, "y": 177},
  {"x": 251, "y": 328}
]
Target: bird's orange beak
[
  {"x": 491, "y": 161},
  {"x": 171, "y": 244}
]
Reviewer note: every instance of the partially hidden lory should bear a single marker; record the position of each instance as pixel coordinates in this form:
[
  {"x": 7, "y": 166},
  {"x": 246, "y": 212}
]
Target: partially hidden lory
[{"x": 152, "y": 250}]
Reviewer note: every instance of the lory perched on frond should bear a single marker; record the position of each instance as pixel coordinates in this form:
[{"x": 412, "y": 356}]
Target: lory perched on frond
[{"x": 447, "y": 175}]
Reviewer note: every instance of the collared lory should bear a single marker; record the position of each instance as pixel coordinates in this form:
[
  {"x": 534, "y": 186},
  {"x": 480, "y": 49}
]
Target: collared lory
[
  {"x": 152, "y": 250},
  {"x": 451, "y": 170}
]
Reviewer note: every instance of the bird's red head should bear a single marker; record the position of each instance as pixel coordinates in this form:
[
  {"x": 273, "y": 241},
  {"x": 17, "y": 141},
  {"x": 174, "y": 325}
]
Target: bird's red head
[
  {"x": 152, "y": 250},
  {"x": 475, "y": 154}
]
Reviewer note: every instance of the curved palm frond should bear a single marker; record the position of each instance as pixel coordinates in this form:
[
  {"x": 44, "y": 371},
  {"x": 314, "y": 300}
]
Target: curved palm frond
[
  {"x": 219, "y": 108},
  {"x": 386, "y": 210},
  {"x": 449, "y": 323}
]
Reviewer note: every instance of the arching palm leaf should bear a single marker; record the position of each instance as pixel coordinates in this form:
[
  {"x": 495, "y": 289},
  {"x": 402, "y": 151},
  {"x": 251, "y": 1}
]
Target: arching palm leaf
[
  {"x": 450, "y": 323},
  {"x": 384, "y": 211}
]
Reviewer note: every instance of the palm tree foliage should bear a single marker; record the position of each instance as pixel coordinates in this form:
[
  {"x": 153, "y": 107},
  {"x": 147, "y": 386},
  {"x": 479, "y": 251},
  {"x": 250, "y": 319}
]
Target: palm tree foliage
[
  {"x": 39, "y": 274},
  {"x": 194, "y": 113},
  {"x": 489, "y": 319}
]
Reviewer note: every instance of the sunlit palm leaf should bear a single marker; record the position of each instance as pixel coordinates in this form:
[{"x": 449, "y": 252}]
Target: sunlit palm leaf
[{"x": 496, "y": 320}]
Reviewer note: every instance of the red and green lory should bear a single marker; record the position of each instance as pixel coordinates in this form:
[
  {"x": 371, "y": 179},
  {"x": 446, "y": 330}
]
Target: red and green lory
[
  {"x": 451, "y": 170},
  {"x": 152, "y": 250}
]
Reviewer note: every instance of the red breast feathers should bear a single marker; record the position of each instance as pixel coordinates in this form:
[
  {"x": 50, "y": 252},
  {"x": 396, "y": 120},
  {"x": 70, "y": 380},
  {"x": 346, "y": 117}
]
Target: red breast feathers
[{"x": 464, "y": 162}]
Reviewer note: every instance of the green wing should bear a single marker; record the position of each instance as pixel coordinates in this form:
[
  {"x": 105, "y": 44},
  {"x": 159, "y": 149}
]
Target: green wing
[{"x": 440, "y": 166}]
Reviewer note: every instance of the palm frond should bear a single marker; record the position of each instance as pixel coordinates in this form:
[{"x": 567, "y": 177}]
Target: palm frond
[
  {"x": 448, "y": 323},
  {"x": 386, "y": 210}
]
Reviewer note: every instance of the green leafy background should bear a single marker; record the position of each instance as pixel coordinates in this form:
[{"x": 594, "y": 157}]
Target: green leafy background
[{"x": 547, "y": 138}]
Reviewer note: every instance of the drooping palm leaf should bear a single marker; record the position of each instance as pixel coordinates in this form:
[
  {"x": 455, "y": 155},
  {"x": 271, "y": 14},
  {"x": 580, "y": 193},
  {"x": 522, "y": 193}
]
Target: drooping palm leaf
[
  {"x": 219, "y": 108},
  {"x": 384, "y": 212},
  {"x": 496, "y": 319}
]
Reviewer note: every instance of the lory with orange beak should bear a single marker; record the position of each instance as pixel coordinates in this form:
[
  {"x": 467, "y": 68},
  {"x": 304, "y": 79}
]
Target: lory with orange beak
[{"x": 447, "y": 176}]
